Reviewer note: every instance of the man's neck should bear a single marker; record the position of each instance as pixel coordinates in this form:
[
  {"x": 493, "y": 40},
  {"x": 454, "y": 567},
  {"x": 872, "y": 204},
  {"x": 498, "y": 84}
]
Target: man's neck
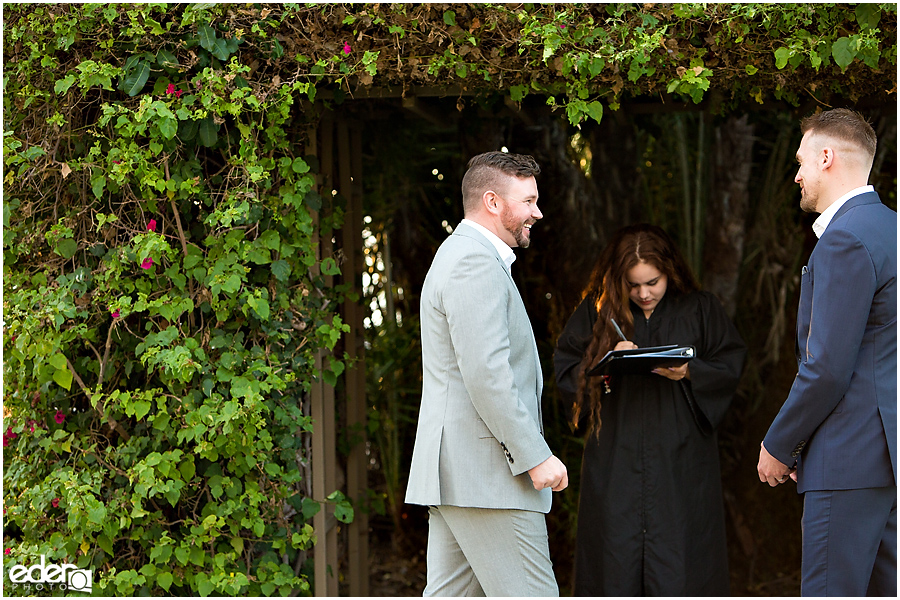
[{"x": 838, "y": 190}]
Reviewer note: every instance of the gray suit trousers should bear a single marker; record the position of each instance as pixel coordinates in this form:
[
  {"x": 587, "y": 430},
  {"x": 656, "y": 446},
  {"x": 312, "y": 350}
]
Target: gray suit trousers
[{"x": 488, "y": 552}]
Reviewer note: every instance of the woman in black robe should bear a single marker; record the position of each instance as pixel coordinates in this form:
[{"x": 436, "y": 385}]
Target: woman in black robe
[{"x": 650, "y": 517}]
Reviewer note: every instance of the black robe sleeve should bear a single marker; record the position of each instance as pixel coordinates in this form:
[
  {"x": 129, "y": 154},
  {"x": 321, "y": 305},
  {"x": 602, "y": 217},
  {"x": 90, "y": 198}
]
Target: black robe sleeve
[
  {"x": 716, "y": 370},
  {"x": 570, "y": 349}
]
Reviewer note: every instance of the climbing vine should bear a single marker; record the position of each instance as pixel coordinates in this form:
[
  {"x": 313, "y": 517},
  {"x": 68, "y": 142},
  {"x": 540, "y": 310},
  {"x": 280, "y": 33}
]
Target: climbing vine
[{"x": 164, "y": 299}]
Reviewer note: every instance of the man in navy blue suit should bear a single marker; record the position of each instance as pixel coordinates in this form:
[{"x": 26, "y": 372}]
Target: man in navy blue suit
[{"x": 836, "y": 434}]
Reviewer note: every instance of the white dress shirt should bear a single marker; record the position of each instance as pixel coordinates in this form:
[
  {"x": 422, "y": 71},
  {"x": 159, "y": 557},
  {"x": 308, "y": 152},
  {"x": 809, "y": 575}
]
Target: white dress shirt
[
  {"x": 828, "y": 214},
  {"x": 506, "y": 253}
]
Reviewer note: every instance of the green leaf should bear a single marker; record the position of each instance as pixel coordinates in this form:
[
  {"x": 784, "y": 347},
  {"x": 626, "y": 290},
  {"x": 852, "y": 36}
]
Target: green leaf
[
  {"x": 208, "y": 133},
  {"x": 868, "y": 15},
  {"x": 168, "y": 127},
  {"x": 141, "y": 408},
  {"x": 843, "y": 52},
  {"x": 220, "y": 50},
  {"x": 310, "y": 508},
  {"x": 165, "y": 580},
  {"x": 450, "y": 18},
  {"x": 63, "y": 377},
  {"x": 207, "y": 37},
  {"x": 164, "y": 58},
  {"x": 98, "y": 182},
  {"x": 97, "y": 513},
  {"x": 594, "y": 110},
  {"x": 281, "y": 270},
  {"x": 58, "y": 361},
  {"x": 105, "y": 544},
  {"x": 66, "y": 248},
  {"x": 781, "y": 57},
  {"x": 299, "y": 165},
  {"x": 518, "y": 92},
  {"x": 751, "y": 70},
  {"x": 62, "y": 86},
  {"x": 136, "y": 80},
  {"x": 206, "y": 587}
]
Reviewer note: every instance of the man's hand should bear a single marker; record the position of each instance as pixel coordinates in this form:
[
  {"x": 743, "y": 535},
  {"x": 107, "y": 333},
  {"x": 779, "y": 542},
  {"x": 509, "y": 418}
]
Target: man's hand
[
  {"x": 551, "y": 473},
  {"x": 771, "y": 470}
]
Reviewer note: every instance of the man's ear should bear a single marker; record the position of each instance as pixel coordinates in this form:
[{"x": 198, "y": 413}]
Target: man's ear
[
  {"x": 826, "y": 158},
  {"x": 491, "y": 202}
]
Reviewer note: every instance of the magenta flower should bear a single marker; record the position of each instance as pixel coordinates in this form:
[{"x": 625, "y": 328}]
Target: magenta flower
[
  {"x": 55, "y": 503},
  {"x": 170, "y": 89},
  {"x": 117, "y": 162},
  {"x": 151, "y": 226},
  {"x": 148, "y": 262},
  {"x": 59, "y": 417},
  {"x": 346, "y": 48},
  {"x": 115, "y": 314},
  {"x": 7, "y": 551},
  {"x": 178, "y": 93}
]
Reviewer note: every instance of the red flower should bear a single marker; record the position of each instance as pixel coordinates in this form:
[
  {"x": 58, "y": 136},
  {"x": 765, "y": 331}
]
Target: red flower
[
  {"x": 117, "y": 162},
  {"x": 55, "y": 503},
  {"x": 115, "y": 314},
  {"x": 148, "y": 262},
  {"x": 7, "y": 551},
  {"x": 60, "y": 417},
  {"x": 151, "y": 226},
  {"x": 178, "y": 93},
  {"x": 346, "y": 48},
  {"x": 9, "y": 435},
  {"x": 170, "y": 89}
]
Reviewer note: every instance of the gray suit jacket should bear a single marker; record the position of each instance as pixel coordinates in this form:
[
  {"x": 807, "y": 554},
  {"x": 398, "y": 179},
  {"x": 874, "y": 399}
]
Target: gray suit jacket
[{"x": 480, "y": 427}]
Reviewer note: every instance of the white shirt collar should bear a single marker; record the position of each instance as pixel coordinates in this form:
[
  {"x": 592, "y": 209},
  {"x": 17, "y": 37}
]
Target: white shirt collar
[
  {"x": 506, "y": 253},
  {"x": 828, "y": 214}
]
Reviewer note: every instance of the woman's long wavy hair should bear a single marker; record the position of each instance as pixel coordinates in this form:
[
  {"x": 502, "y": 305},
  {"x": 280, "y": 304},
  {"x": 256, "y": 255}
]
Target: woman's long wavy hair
[{"x": 609, "y": 287}]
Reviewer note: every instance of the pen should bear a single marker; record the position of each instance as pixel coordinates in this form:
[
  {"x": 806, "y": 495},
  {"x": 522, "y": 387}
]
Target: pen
[{"x": 619, "y": 331}]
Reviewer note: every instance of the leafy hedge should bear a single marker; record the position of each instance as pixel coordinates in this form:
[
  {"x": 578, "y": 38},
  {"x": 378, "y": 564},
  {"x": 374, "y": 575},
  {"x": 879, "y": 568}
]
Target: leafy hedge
[{"x": 163, "y": 298}]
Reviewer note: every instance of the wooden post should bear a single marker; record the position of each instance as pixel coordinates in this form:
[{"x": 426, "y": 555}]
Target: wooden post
[
  {"x": 350, "y": 168},
  {"x": 322, "y": 396}
]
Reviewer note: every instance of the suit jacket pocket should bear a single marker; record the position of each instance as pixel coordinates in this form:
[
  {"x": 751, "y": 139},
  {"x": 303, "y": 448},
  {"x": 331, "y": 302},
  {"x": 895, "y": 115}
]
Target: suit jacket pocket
[{"x": 481, "y": 430}]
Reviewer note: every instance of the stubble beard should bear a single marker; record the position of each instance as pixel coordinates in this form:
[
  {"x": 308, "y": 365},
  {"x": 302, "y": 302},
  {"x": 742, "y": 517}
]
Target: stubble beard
[
  {"x": 807, "y": 202},
  {"x": 517, "y": 230}
]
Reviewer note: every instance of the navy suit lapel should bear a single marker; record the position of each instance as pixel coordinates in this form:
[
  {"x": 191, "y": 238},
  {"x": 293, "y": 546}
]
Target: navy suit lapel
[{"x": 867, "y": 198}]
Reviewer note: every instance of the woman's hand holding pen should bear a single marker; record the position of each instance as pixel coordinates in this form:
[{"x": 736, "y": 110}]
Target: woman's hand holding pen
[{"x": 625, "y": 345}]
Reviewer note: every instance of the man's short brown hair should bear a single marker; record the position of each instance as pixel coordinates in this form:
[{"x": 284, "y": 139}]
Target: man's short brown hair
[
  {"x": 845, "y": 125},
  {"x": 484, "y": 170}
]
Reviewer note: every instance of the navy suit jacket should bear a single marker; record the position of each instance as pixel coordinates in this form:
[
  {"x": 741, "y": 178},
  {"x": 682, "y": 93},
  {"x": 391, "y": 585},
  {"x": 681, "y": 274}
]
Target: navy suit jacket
[{"x": 839, "y": 422}]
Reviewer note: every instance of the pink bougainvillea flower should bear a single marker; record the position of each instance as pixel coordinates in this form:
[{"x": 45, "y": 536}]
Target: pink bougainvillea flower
[
  {"x": 170, "y": 89},
  {"x": 59, "y": 417},
  {"x": 562, "y": 25},
  {"x": 148, "y": 262},
  {"x": 178, "y": 93},
  {"x": 346, "y": 48},
  {"x": 151, "y": 226},
  {"x": 55, "y": 503},
  {"x": 7, "y": 551},
  {"x": 115, "y": 314}
]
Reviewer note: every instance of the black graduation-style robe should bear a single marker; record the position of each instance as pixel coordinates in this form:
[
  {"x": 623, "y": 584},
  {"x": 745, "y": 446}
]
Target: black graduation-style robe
[{"x": 651, "y": 517}]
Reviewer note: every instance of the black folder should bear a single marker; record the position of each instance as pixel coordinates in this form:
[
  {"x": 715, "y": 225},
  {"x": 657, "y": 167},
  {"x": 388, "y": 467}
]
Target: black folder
[{"x": 642, "y": 360}]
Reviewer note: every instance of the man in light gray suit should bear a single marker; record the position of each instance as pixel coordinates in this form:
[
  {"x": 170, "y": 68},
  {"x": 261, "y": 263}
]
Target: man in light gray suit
[{"x": 480, "y": 461}]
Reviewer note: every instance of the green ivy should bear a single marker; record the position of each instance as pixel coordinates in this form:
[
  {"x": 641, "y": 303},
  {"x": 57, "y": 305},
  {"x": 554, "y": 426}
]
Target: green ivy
[{"x": 164, "y": 302}]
